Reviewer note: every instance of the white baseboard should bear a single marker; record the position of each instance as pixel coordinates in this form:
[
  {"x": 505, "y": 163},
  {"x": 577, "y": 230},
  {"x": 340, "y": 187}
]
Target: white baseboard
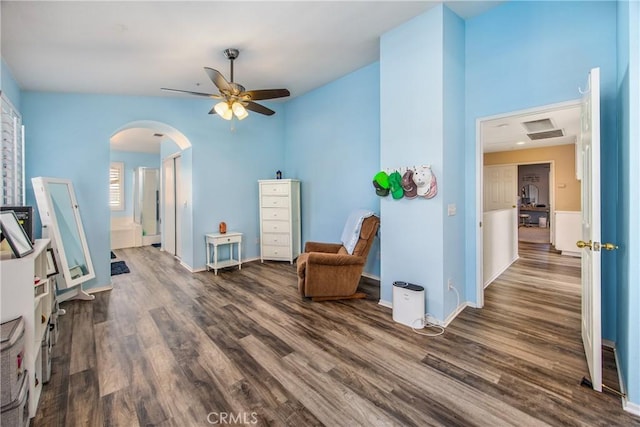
[
  {"x": 385, "y": 304},
  {"x": 371, "y": 276},
  {"x": 630, "y": 407},
  {"x": 499, "y": 272},
  {"x": 430, "y": 318},
  {"x": 201, "y": 269},
  {"x": 99, "y": 289},
  {"x": 571, "y": 253}
]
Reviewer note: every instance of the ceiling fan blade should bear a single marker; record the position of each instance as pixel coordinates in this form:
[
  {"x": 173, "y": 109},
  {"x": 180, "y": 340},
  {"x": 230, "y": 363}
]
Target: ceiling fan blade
[
  {"x": 218, "y": 79},
  {"x": 208, "y": 95},
  {"x": 259, "y": 108},
  {"x": 257, "y": 95}
]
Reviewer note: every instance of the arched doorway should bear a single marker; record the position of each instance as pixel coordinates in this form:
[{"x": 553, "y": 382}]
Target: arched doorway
[{"x": 149, "y": 146}]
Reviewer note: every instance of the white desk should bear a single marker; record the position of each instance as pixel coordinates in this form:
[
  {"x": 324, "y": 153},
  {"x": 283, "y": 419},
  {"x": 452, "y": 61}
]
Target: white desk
[{"x": 217, "y": 239}]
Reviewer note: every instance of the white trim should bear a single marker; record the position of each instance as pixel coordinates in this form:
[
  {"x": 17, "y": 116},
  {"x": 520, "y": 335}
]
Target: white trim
[
  {"x": 479, "y": 215},
  {"x": 188, "y": 267},
  {"x": 386, "y": 304},
  {"x": 497, "y": 274},
  {"x": 432, "y": 319},
  {"x": 449, "y": 318},
  {"x": 201, "y": 269},
  {"x": 99, "y": 289},
  {"x": 371, "y": 276},
  {"x": 630, "y": 407}
]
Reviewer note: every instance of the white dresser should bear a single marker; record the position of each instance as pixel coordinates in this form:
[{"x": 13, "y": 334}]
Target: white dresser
[{"x": 279, "y": 219}]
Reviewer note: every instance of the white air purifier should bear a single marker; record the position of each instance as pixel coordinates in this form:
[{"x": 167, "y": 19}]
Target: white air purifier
[{"x": 408, "y": 304}]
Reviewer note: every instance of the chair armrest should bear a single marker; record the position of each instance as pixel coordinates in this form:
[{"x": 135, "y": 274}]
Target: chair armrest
[
  {"x": 319, "y": 258},
  {"x": 331, "y": 248}
]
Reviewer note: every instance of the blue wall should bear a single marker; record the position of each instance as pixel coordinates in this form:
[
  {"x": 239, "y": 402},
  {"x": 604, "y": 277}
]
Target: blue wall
[
  {"x": 452, "y": 184},
  {"x": 525, "y": 54},
  {"x": 421, "y": 242},
  {"x": 628, "y": 298},
  {"x": 132, "y": 160},
  {"x": 68, "y": 137},
  {"x": 412, "y": 131},
  {"x": 332, "y": 144}
]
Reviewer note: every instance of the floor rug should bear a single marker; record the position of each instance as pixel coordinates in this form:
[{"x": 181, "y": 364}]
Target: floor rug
[
  {"x": 156, "y": 245},
  {"x": 113, "y": 255},
  {"x": 119, "y": 267}
]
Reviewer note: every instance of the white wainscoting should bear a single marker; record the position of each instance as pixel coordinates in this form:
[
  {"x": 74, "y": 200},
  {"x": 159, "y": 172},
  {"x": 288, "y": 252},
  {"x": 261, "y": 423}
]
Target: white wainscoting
[
  {"x": 500, "y": 242},
  {"x": 568, "y": 231}
]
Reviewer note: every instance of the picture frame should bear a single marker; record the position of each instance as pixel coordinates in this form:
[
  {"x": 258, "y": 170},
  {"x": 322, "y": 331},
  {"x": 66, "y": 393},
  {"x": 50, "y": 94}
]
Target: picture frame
[
  {"x": 14, "y": 234},
  {"x": 52, "y": 267}
]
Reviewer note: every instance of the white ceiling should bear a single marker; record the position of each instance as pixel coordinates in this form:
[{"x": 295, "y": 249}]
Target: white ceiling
[
  {"x": 137, "y": 47},
  {"x": 508, "y": 133},
  {"x": 142, "y": 140}
]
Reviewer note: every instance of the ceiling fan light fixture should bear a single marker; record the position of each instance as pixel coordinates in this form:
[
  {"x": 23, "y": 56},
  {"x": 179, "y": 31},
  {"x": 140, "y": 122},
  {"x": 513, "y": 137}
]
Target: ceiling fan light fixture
[
  {"x": 239, "y": 110},
  {"x": 223, "y": 110}
]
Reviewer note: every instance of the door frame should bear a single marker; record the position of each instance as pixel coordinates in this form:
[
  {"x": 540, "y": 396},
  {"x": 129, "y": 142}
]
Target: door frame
[
  {"x": 177, "y": 228},
  {"x": 480, "y": 184}
]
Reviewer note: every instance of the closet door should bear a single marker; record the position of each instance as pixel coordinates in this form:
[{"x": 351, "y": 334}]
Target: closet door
[
  {"x": 169, "y": 208},
  {"x": 180, "y": 203}
]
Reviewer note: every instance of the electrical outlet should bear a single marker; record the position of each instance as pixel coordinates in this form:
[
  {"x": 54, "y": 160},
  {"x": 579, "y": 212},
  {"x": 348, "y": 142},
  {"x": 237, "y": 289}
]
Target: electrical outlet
[
  {"x": 257, "y": 240},
  {"x": 450, "y": 284}
]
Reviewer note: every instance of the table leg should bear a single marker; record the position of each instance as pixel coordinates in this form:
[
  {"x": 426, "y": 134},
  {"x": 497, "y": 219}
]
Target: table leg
[{"x": 208, "y": 256}]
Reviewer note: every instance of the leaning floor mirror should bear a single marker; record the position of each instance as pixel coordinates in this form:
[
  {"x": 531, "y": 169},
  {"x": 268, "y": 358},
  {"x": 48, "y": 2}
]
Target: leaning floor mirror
[{"x": 61, "y": 222}]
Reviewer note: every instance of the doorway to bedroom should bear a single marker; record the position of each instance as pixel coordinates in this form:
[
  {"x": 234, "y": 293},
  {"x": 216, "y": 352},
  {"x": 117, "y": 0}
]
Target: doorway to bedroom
[{"x": 534, "y": 202}]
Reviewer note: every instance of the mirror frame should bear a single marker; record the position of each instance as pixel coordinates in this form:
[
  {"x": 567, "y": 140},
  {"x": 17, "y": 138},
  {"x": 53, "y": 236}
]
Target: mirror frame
[
  {"x": 15, "y": 235},
  {"x": 51, "y": 229}
]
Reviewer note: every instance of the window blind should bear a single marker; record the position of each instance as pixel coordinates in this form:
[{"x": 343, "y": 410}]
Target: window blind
[{"x": 116, "y": 186}]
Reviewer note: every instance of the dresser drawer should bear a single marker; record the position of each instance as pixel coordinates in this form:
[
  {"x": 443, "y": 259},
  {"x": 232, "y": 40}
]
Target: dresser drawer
[
  {"x": 221, "y": 240},
  {"x": 275, "y": 202},
  {"x": 281, "y": 214},
  {"x": 276, "y": 252},
  {"x": 275, "y": 226},
  {"x": 275, "y": 239},
  {"x": 279, "y": 189}
]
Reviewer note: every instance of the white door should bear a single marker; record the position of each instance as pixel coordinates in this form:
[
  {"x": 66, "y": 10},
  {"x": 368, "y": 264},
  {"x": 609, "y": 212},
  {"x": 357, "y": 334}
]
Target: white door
[
  {"x": 590, "y": 243},
  {"x": 500, "y": 187},
  {"x": 169, "y": 206},
  {"x": 180, "y": 204}
]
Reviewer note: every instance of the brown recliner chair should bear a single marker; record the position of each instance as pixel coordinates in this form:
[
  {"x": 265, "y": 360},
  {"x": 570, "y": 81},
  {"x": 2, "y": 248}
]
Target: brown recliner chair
[{"x": 326, "y": 271}]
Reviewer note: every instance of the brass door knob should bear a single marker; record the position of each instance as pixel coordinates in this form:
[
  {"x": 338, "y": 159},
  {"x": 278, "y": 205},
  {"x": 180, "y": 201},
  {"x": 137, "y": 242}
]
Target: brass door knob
[
  {"x": 609, "y": 246},
  {"x": 583, "y": 244}
]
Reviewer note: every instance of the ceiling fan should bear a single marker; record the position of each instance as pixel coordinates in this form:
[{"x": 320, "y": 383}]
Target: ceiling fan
[{"x": 235, "y": 99}]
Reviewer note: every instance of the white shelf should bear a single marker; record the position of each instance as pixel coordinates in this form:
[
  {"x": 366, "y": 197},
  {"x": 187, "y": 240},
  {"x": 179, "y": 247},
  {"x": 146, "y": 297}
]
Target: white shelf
[{"x": 18, "y": 299}]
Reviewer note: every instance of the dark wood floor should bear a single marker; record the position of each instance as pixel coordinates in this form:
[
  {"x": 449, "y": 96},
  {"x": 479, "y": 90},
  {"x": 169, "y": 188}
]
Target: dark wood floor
[{"x": 169, "y": 348}]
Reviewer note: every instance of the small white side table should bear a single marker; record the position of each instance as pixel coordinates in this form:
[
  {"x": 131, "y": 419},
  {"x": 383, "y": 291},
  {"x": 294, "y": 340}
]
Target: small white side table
[{"x": 217, "y": 239}]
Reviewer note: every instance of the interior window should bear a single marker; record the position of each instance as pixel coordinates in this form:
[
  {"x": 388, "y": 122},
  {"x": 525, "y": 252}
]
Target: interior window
[{"x": 116, "y": 186}]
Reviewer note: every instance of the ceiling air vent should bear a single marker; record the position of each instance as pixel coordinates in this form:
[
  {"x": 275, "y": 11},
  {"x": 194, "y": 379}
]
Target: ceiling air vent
[
  {"x": 535, "y": 126},
  {"x": 158, "y": 135},
  {"x": 545, "y": 135}
]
